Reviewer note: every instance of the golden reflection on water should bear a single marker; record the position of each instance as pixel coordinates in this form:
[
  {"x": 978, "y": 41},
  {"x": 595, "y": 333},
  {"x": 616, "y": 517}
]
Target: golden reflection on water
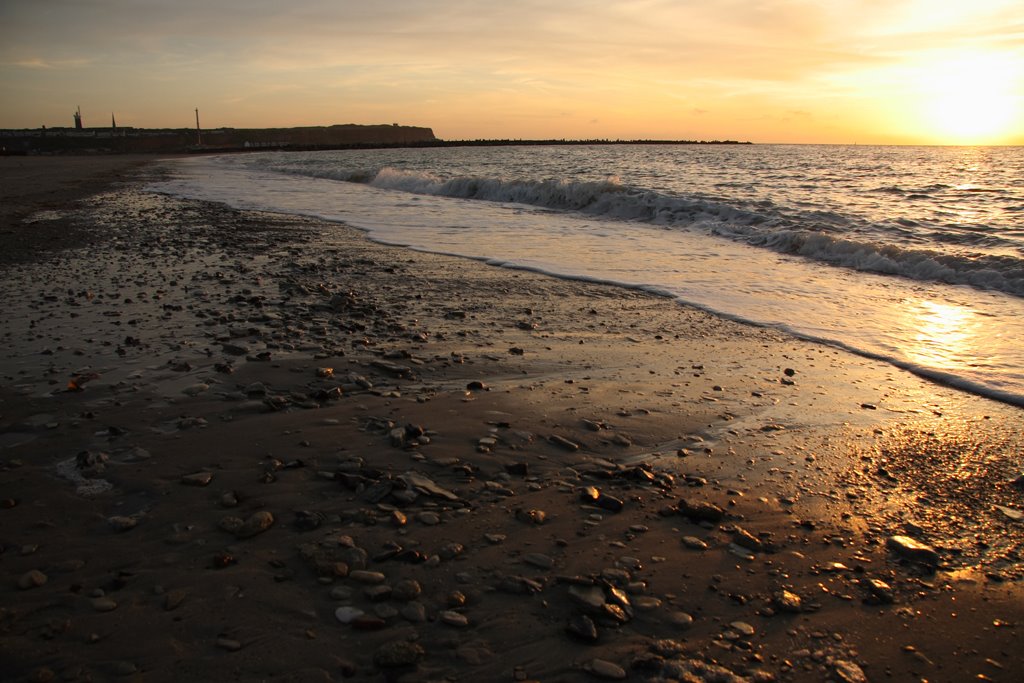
[{"x": 945, "y": 334}]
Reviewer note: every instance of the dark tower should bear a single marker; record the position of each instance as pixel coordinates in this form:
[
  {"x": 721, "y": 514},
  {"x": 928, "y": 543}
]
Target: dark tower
[{"x": 78, "y": 119}]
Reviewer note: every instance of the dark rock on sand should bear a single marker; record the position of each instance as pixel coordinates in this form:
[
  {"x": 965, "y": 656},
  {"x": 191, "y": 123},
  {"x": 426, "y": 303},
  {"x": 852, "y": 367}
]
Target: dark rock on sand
[{"x": 913, "y": 550}]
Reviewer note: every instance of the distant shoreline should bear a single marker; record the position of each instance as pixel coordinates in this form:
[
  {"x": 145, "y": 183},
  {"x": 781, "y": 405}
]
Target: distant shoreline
[{"x": 114, "y": 140}]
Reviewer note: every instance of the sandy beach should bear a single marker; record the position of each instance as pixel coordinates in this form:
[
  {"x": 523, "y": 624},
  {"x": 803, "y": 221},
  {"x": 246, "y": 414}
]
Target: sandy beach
[{"x": 254, "y": 447}]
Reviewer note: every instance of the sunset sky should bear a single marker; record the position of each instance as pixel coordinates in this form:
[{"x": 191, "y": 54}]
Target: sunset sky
[{"x": 865, "y": 71}]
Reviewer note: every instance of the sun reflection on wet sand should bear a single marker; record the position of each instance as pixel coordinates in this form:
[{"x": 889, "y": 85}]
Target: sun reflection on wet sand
[{"x": 946, "y": 334}]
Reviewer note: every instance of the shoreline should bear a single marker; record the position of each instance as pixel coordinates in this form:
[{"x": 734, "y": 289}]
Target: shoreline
[{"x": 463, "y": 400}]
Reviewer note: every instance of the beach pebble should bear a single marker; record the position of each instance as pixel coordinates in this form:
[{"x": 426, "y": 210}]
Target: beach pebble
[
  {"x": 429, "y": 518},
  {"x": 583, "y": 627},
  {"x": 563, "y": 442},
  {"x": 397, "y": 654},
  {"x": 539, "y": 560},
  {"x": 197, "y": 479},
  {"x": 451, "y": 550},
  {"x": 365, "y": 576},
  {"x": 531, "y": 516},
  {"x": 174, "y": 599},
  {"x": 378, "y": 593},
  {"x": 602, "y": 668},
  {"x": 229, "y": 644},
  {"x": 195, "y": 389},
  {"x": 121, "y": 523},
  {"x": 787, "y": 601},
  {"x": 406, "y": 590},
  {"x": 414, "y": 611},
  {"x": 680, "y": 619},
  {"x": 347, "y": 614},
  {"x": 453, "y": 618},
  {"x": 590, "y": 598},
  {"x": 103, "y": 604},
  {"x": 880, "y": 591},
  {"x": 848, "y": 672},
  {"x": 745, "y": 539},
  {"x": 742, "y": 628},
  {"x": 32, "y": 579},
  {"x": 341, "y": 593},
  {"x": 694, "y": 543},
  {"x": 913, "y": 550},
  {"x": 646, "y": 602},
  {"x": 257, "y": 523}
]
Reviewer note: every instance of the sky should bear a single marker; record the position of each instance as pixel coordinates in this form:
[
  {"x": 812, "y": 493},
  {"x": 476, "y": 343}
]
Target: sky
[{"x": 799, "y": 71}]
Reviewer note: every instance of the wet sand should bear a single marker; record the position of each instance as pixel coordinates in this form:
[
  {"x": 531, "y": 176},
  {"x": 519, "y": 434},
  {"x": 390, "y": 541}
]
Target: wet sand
[{"x": 256, "y": 447}]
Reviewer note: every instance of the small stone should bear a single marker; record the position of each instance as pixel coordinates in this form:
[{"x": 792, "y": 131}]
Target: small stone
[
  {"x": 369, "y": 622},
  {"x": 745, "y": 539},
  {"x": 397, "y": 654},
  {"x": 122, "y": 523},
  {"x": 913, "y": 550},
  {"x": 347, "y": 614},
  {"x": 231, "y": 524},
  {"x": 701, "y": 511},
  {"x": 848, "y": 672},
  {"x": 539, "y": 560},
  {"x": 365, "y": 576},
  {"x": 880, "y": 591},
  {"x": 742, "y": 628},
  {"x": 581, "y": 626},
  {"x": 564, "y": 443},
  {"x": 103, "y": 604},
  {"x": 680, "y": 619},
  {"x": 341, "y": 593},
  {"x": 646, "y": 602},
  {"x": 378, "y": 593},
  {"x": 32, "y": 579},
  {"x": 602, "y": 668},
  {"x": 694, "y": 543},
  {"x": 197, "y": 479},
  {"x": 415, "y": 612},
  {"x": 451, "y": 550},
  {"x": 788, "y": 601},
  {"x": 531, "y": 516},
  {"x": 590, "y": 598},
  {"x": 385, "y": 612},
  {"x": 229, "y": 644},
  {"x": 406, "y": 590},
  {"x": 174, "y": 599},
  {"x": 195, "y": 389},
  {"x": 453, "y": 618},
  {"x": 429, "y": 518},
  {"x": 257, "y": 523}
]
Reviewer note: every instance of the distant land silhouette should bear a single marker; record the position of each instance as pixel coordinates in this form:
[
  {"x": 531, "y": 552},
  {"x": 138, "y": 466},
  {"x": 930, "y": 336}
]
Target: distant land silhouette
[{"x": 128, "y": 140}]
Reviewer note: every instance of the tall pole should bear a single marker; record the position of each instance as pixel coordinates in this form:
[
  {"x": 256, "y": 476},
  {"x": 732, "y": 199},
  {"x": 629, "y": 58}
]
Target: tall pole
[{"x": 199, "y": 131}]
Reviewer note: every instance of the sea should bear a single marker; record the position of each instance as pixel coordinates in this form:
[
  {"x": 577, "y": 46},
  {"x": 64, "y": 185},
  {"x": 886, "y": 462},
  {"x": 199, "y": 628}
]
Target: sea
[{"x": 910, "y": 255}]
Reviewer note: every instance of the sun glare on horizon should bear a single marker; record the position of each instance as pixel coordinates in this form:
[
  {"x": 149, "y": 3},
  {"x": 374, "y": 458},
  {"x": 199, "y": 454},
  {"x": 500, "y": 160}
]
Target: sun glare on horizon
[{"x": 970, "y": 98}]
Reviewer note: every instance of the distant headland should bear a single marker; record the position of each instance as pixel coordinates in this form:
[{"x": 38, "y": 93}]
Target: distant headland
[{"x": 116, "y": 139}]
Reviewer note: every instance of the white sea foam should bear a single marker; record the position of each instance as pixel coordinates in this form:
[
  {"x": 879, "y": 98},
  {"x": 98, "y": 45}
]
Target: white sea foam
[{"x": 751, "y": 260}]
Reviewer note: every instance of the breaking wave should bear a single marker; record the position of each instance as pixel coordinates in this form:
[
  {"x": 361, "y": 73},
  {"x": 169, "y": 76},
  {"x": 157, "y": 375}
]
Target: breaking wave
[{"x": 823, "y": 236}]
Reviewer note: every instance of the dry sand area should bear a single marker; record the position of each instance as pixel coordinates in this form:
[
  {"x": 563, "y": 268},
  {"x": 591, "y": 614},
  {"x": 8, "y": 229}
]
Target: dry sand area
[{"x": 240, "y": 446}]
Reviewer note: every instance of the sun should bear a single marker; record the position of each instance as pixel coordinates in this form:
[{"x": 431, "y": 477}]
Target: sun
[{"x": 970, "y": 98}]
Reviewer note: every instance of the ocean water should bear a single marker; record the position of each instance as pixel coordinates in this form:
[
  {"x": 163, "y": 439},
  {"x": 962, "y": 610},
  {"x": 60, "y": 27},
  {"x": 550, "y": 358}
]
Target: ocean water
[{"x": 912, "y": 255}]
